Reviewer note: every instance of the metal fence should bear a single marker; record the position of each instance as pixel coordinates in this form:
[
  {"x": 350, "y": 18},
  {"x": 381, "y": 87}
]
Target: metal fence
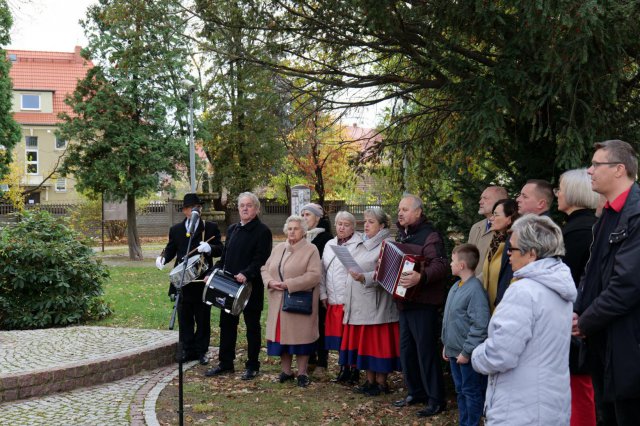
[{"x": 154, "y": 219}]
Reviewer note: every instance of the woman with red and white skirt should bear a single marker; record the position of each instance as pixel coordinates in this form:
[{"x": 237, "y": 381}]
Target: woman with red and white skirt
[
  {"x": 371, "y": 337},
  {"x": 333, "y": 287}
]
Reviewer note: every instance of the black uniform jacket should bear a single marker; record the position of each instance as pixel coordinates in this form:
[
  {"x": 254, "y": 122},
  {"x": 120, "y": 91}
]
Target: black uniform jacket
[
  {"x": 246, "y": 249},
  {"x": 177, "y": 248}
]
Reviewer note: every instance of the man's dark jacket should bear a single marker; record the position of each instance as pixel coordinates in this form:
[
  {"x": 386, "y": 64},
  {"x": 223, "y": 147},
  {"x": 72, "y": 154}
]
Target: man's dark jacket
[
  {"x": 246, "y": 249},
  {"x": 615, "y": 310},
  {"x": 434, "y": 269},
  {"x": 177, "y": 247}
]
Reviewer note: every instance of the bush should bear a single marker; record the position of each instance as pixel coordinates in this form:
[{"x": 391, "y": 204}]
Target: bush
[{"x": 48, "y": 276}]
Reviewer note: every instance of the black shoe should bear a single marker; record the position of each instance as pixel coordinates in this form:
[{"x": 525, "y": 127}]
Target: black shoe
[
  {"x": 373, "y": 390},
  {"x": 217, "y": 371},
  {"x": 363, "y": 388},
  {"x": 431, "y": 410},
  {"x": 249, "y": 374},
  {"x": 204, "y": 359},
  {"x": 284, "y": 377},
  {"x": 303, "y": 380},
  {"x": 354, "y": 377},
  {"x": 409, "y": 400},
  {"x": 344, "y": 375}
]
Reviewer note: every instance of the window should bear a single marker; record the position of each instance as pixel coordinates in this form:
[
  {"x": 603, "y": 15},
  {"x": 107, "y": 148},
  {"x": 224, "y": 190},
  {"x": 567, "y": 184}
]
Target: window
[
  {"x": 61, "y": 184},
  {"x": 32, "y": 162},
  {"x": 30, "y": 102},
  {"x": 31, "y": 142},
  {"x": 31, "y": 155},
  {"x": 61, "y": 143}
]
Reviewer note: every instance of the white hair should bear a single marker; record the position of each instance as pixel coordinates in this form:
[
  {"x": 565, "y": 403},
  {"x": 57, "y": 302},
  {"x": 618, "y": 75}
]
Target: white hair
[
  {"x": 343, "y": 215},
  {"x": 296, "y": 218},
  {"x": 576, "y": 186},
  {"x": 252, "y": 196}
]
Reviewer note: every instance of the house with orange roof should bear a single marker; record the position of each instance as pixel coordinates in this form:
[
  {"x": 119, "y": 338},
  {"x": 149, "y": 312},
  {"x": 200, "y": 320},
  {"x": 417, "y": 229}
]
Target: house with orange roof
[{"x": 41, "y": 81}]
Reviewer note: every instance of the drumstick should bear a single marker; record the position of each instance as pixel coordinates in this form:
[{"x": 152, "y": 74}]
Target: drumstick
[{"x": 196, "y": 249}]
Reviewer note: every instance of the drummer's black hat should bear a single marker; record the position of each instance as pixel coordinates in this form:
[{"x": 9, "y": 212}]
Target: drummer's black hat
[{"x": 191, "y": 200}]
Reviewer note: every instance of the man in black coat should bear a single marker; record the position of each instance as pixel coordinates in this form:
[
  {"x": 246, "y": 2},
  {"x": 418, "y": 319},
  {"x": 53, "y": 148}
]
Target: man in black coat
[
  {"x": 247, "y": 248},
  {"x": 608, "y": 305},
  {"x": 194, "y": 316}
]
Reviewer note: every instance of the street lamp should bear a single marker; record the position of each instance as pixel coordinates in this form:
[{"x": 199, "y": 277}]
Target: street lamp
[{"x": 191, "y": 88}]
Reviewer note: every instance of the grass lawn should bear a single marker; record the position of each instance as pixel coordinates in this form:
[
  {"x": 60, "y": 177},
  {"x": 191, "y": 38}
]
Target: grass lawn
[{"x": 137, "y": 293}]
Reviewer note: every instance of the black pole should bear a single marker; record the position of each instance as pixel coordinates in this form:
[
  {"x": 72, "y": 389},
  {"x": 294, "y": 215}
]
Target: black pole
[{"x": 177, "y": 307}]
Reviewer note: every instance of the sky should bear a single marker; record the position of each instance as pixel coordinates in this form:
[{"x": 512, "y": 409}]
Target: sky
[
  {"x": 50, "y": 25},
  {"x": 53, "y": 25}
]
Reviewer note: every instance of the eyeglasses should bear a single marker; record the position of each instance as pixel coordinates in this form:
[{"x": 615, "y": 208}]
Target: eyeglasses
[
  {"x": 512, "y": 249},
  {"x": 596, "y": 164}
]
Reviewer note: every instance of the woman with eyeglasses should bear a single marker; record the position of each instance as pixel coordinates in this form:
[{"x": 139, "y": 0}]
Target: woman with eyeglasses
[
  {"x": 526, "y": 354},
  {"x": 577, "y": 200},
  {"x": 496, "y": 271}
]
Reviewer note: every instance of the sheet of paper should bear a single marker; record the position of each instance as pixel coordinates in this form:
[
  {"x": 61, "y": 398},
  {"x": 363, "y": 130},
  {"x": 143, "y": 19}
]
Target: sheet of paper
[{"x": 344, "y": 256}]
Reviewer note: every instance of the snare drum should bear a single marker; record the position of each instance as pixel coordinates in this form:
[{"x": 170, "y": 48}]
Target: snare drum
[
  {"x": 224, "y": 292},
  {"x": 196, "y": 266}
]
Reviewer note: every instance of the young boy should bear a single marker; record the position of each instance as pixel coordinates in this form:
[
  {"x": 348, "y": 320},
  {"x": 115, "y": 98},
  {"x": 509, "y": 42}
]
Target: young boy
[{"x": 464, "y": 326}]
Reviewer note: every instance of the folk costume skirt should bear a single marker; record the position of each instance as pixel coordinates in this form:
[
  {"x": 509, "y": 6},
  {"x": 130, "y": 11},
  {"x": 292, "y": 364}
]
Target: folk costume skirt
[
  {"x": 374, "y": 347},
  {"x": 333, "y": 328},
  {"x": 274, "y": 348}
]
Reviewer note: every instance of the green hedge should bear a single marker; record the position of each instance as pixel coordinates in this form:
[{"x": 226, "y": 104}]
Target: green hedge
[{"x": 48, "y": 275}]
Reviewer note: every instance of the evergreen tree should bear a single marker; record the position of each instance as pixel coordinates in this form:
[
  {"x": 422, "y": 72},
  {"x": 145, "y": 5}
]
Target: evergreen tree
[
  {"x": 129, "y": 110},
  {"x": 9, "y": 129}
]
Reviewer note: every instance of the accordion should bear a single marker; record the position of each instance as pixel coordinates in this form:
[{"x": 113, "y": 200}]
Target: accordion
[{"x": 394, "y": 259}]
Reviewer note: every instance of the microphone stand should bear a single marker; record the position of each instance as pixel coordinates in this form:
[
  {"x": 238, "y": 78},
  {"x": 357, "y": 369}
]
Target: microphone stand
[{"x": 177, "y": 308}]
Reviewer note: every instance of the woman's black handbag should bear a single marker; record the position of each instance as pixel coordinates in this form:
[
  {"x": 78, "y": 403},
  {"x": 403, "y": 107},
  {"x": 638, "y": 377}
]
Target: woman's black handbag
[{"x": 299, "y": 302}]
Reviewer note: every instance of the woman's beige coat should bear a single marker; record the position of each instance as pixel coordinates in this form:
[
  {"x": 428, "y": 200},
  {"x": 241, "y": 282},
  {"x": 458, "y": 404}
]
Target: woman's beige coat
[
  {"x": 368, "y": 303},
  {"x": 301, "y": 269}
]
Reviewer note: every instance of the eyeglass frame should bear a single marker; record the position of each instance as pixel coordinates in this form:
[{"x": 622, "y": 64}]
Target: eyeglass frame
[
  {"x": 511, "y": 249},
  {"x": 596, "y": 164}
]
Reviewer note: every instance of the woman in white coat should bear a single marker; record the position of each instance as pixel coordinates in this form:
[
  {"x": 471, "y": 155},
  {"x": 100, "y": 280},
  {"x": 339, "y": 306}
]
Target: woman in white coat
[
  {"x": 371, "y": 338},
  {"x": 526, "y": 355},
  {"x": 334, "y": 284}
]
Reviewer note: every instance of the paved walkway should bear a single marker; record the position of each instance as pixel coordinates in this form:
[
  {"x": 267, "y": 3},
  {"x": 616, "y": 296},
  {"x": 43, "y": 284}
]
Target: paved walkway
[{"x": 130, "y": 400}]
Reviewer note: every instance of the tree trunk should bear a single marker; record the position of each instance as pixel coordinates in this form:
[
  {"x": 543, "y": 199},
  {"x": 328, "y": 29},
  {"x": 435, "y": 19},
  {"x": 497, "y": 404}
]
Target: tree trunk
[{"x": 135, "y": 250}]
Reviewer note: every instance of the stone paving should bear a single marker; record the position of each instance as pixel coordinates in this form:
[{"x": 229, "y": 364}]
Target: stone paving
[
  {"x": 98, "y": 405},
  {"x": 29, "y": 355},
  {"x": 32, "y": 350}
]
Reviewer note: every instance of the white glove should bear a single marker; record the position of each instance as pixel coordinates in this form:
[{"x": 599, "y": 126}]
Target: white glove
[
  {"x": 160, "y": 262},
  {"x": 204, "y": 248}
]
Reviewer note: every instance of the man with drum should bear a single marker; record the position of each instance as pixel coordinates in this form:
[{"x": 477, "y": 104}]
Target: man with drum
[
  {"x": 247, "y": 248},
  {"x": 193, "y": 316}
]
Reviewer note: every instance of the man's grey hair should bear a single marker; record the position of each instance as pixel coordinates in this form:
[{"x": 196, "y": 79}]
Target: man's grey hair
[
  {"x": 621, "y": 152},
  {"x": 417, "y": 202},
  {"x": 540, "y": 235},
  {"x": 343, "y": 215},
  {"x": 296, "y": 218},
  {"x": 252, "y": 196},
  {"x": 576, "y": 187},
  {"x": 500, "y": 191}
]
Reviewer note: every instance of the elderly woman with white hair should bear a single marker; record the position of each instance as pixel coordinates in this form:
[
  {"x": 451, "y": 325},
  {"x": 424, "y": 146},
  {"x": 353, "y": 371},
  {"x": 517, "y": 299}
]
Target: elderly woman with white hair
[
  {"x": 526, "y": 354},
  {"x": 578, "y": 201},
  {"x": 294, "y": 265},
  {"x": 333, "y": 288}
]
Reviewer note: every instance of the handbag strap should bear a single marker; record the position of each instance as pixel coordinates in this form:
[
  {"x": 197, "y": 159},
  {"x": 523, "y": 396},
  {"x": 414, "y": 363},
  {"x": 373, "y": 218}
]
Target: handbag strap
[{"x": 280, "y": 265}]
